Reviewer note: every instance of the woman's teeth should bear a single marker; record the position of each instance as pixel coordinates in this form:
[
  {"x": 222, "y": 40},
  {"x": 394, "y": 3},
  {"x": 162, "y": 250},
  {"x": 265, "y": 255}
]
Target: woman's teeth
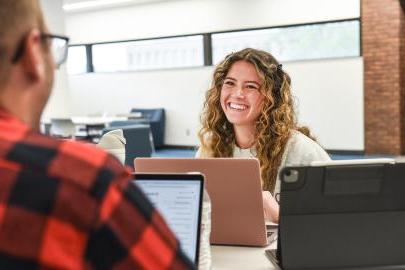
[{"x": 236, "y": 106}]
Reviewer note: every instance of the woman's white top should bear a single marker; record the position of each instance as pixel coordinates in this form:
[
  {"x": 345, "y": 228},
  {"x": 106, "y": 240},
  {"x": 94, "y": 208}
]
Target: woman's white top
[{"x": 300, "y": 150}]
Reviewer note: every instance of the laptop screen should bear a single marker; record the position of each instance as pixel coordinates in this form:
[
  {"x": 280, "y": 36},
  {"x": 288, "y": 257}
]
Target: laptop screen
[{"x": 178, "y": 198}]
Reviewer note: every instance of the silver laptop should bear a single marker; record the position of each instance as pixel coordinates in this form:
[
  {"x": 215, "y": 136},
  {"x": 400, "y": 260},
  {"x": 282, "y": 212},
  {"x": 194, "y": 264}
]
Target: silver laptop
[
  {"x": 234, "y": 187},
  {"x": 178, "y": 197}
]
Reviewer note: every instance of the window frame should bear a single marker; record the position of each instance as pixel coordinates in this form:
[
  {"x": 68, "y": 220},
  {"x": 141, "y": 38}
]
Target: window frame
[{"x": 208, "y": 46}]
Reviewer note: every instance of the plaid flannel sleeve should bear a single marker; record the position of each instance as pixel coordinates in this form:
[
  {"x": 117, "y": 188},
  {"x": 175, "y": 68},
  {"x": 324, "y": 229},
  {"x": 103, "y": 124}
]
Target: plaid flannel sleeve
[
  {"x": 131, "y": 234},
  {"x": 65, "y": 205}
]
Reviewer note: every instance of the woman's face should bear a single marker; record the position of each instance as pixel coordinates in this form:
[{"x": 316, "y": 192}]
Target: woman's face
[{"x": 241, "y": 99}]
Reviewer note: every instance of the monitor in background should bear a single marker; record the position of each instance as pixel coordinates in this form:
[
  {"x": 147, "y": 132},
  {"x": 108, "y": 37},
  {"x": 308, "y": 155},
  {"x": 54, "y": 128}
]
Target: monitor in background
[{"x": 178, "y": 197}]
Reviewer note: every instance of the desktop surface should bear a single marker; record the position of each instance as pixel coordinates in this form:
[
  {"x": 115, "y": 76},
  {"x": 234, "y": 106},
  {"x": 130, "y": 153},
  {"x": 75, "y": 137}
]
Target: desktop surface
[{"x": 239, "y": 257}]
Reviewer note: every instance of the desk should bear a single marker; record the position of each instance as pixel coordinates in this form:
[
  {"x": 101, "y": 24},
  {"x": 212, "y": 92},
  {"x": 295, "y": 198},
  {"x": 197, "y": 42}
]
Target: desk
[
  {"x": 96, "y": 120},
  {"x": 236, "y": 257},
  {"x": 93, "y": 125}
]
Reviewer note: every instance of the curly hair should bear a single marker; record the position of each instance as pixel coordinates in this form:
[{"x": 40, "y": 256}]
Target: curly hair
[{"x": 274, "y": 125}]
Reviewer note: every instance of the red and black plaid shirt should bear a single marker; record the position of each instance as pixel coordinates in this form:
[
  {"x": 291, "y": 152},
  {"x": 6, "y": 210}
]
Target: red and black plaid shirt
[{"x": 66, "y": 205}]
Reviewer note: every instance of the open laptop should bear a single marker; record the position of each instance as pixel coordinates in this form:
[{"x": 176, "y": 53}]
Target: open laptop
[
  {"x": 178, "y": 197},
  {"x": 234, "y": 187},
  {"x": 342, "y": 215}
]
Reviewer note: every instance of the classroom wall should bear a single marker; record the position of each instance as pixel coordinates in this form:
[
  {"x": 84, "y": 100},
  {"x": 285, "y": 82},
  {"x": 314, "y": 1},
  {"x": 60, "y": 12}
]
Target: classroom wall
[
  {"x": 329, "y": 92},
  {"x": 167, "y": 18},
  {"x": 59, "y": 102},
  {"x": 334, "y": 110}
]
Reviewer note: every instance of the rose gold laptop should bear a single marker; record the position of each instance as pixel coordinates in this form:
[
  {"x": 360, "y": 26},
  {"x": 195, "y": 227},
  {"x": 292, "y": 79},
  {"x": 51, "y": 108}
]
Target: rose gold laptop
[{"x": 234, "y": 187}]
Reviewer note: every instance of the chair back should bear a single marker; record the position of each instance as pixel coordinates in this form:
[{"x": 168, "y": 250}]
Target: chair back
[
  {"x": 139, "y": 142},
  {"x": 157, "y": 120}
]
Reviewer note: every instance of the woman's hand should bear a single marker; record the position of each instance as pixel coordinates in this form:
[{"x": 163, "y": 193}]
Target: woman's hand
[{"x": 270, "y": 206}]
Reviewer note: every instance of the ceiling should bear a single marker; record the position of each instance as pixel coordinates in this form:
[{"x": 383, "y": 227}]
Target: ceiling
[
  {"x": 82, "y": 5},
  {"x": 132, "y": 1}
]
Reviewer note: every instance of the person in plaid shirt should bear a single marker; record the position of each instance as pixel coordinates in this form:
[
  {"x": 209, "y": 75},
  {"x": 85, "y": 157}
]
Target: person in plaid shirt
[{"x": 63, "y": 205}]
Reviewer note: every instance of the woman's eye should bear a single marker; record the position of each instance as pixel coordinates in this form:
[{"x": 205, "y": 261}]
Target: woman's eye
[
  {"x": 230, "y": 83},
  {"x": 253, "y": 87}
]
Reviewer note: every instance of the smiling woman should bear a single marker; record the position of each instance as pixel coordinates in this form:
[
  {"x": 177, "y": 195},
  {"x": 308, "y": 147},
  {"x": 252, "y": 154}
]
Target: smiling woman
[
  {"x": 240, "y": 98},
  {"x": 249, "y": 112}
]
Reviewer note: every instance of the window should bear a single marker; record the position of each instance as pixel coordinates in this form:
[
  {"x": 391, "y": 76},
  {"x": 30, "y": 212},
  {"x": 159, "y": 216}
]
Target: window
[
  {"x": 325, "y": 40},
  {"x": 286, "y": 43},
  {"x": 77, "y": 60},
  {"x": 149, "y": 54}
]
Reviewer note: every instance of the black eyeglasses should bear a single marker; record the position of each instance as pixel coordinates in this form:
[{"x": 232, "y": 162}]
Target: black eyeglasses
[{"x": 59, "y": 48}]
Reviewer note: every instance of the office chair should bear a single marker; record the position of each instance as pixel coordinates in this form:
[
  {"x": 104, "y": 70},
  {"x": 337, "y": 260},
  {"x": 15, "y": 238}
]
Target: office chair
[
  {"x": 45, "y": 128},
  {"x": 138, "y": 141},
  {"x": 157, "y": 120}
]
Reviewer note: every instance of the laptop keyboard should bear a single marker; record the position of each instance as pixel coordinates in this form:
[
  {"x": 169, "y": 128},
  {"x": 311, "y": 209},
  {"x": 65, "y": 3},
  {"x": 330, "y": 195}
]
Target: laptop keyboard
[{"x": 271, "y": 234}]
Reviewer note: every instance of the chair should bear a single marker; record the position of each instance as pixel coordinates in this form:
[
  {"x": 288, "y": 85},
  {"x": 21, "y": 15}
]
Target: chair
[
  {"x": 157, "y": 120},
  {"x": 45, "y": 128},
  {"x": 138, "y": 142}
]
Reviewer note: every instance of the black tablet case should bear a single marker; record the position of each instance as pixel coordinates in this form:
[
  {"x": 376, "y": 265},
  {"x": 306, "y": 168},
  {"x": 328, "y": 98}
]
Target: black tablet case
[{"x": 347, "y": 216}]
